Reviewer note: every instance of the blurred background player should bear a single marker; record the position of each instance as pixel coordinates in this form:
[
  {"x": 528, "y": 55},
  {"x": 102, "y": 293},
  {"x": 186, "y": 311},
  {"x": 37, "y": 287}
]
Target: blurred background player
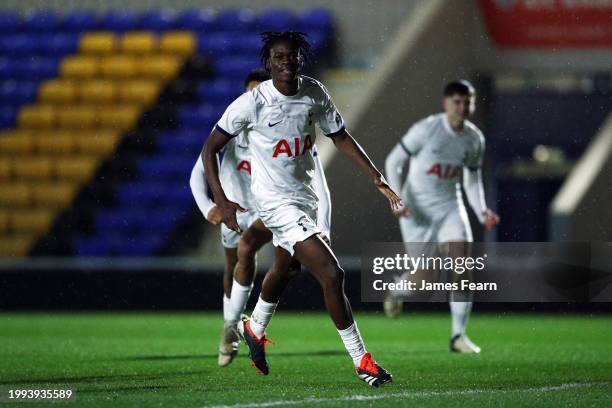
[
  {"x": 279, "y": 116},
  {"x": 438, "y": 150},
  {"x": 241, "y": 249}
]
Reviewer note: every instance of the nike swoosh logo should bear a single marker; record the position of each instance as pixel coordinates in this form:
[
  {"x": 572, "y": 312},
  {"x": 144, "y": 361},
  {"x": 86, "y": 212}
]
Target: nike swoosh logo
[
  {"x": 274, "y": 124},
  {"x": 242, "y": 147}
]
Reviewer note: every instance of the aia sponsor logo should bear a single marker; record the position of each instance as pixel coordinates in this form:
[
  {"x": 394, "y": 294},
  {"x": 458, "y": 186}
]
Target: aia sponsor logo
[
  {"x": 294, "y": 149},
  {"x": 444, "y": 171}
]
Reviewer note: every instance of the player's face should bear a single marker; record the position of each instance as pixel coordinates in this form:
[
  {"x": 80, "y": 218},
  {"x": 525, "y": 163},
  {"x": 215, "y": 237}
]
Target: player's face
[
  {"x": 459, "y": 106},
  {"x": 252, "y": 85},
  {"x": 284, "y": 61}
]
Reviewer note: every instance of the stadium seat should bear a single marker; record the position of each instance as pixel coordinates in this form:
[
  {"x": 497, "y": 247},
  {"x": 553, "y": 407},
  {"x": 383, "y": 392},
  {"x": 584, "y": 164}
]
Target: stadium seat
[
  {"x": 99, "y": 143},
  {"x": 76, "y": 168},
  {"x": 44, "y": 21},
  {"x": 33, "y": 168},
  {"x": 121, "y": 117},
  {"x": 17, "y": 92},
  {"x": 219, "y": 92},
  {"x": 32, "y": 221},
  {"x": 79, "y": 67},
  {"x": 92, "y": 246},
  {"x": 236, "y": 20},
  {"x": 53, "y": 194},
  {"x": 139, "y": 42},
  {"x": 61, "y": 44},
  {"x": 119, "y": 66},
  {"x": 8, "y": 115},
  {"x": 139, "y": 91},
  {"x": 20, "y": 45},
  {"x": 37, "y": 116},
  {"x": 102, "y": 43},
  {"x": 181, "y": 43},
  {"x": 79, "y": 21},
  {"x": 57, "y": 91},
  {"x": 159, "y": 20},
  {"x": 160, "y": 66},
  {"x": 61, "y": 143},
  {"x": 16, "y": 144},
  {"x": 276, "y": 20},
  {"x": 201, "y": 20},
  {"x": 15, "y": 194},
  {"x": 119, "y": 21},
  {"x": 316, "y": 19},
  {"x": 15, "y": 245},
  {"x": 5, "y": 169},
  {"x": 10, "y": 22},
  {"x": 77, "y": 117},
  {"x": 98, "y": 91},
  {"x": 36, "y": 68}
]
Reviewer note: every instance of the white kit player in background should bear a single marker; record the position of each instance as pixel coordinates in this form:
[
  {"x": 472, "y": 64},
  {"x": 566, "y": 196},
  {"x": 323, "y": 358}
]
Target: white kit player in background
[
  {"x": 235, "y": 176},
  {"x": 438, "y": 151}
]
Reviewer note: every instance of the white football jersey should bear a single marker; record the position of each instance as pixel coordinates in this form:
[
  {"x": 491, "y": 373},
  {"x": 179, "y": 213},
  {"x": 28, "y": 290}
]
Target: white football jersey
[
  {"x": 235, "y": 172},
  {"x": 281, "y": 134},
  {"x": 437, "y": 157}
]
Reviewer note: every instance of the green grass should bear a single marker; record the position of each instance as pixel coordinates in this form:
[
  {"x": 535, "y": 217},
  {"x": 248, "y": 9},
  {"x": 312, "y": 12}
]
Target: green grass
[{"x": 169, "y": 360}]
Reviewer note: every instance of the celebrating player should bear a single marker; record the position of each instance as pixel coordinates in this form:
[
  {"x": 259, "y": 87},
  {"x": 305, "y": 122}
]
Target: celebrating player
[
  {"x": 241, "y": 249},
  {"x": 279, "y": 117},
  {"x": 439, "y": 149}
]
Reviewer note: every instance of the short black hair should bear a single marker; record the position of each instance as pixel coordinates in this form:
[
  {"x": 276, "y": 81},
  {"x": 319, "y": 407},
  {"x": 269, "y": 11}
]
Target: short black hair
[
  {"x": 459, "y": 87},
  {"x": 269, "y": 38},
  {"x": 257, "y": 74}
]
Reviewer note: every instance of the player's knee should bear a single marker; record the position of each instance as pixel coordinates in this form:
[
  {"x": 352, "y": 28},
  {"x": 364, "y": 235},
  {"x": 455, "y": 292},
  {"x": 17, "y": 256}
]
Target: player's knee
[
  {"x": 334, "y": 278},
  {"x": 247, "y": 247}
]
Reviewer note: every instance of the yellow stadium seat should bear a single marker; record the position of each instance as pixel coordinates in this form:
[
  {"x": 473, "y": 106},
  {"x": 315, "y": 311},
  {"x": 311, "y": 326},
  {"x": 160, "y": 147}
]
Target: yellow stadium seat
[
  {"x": 77, "y": 117},
  {"x": 6, "y": 169},
  {"x": 36, "y": 116},
  {"x": 32, "y": 220},
  {"x": 4, "y": 222},
  {"x": 15, "y": 195},
  {"x": 76, "y": 168},
  {"x": 182, "y": 43},
  {"x": 16, "y": 245},
  {"x": 100, "y": 143},
  {"x": 160, "y": 66},
  {"x": 54, "y": 195},
  {"x": 139, "y": 42},
  {"x": 102, "y": 42},
  {"x": 54, "y": 91},
  {"x": 98, "y": 91},
  {"x": 61, "y": 143},
  {"x": 33, "y": 168},
  {"x": 121, "y": 117},
  {"x": 139, "y": 91},
  {"x": 16, "y": 145},
  {"x": 119, "y": 66},
  {"x": 79, "y": 66}
]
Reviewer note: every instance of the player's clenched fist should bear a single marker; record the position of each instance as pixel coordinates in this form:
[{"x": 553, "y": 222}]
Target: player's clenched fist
[
  {"x": 228, "y": 214},
  {"x": 490, "y": 219},
  {"x": 383, "y": 187}
]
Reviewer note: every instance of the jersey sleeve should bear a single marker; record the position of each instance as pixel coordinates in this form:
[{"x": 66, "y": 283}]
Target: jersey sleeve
[
  {"x": 238, "y": 116},
  {"x": 329, "y": 120},
  {"x": 414, "y": 139},
  {"x": 474, "y": 158}
]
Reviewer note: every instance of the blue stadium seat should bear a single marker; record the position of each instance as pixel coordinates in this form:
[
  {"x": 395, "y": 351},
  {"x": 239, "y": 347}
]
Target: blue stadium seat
[
  {"x": 79, "y": 21},
  {"x": 217, "y": 44},
  {"x": 35, "y": 68},
  {"x": 277, "y": 20},
  {"x": 120, "y": 220},
  {"x": 7, "y": 68},
  {"x": 92, "y": 246},
  {"x": 165, "y": 167},
  {"x": 188, "y": 143},
  {"x": 8, "y": 114},
  {"x": 138, "y": 245},
  {"x": 138, "y": 194},
  {"x": 219, "y": 92},
  {"x": 237, "y": 68},
  {"x": 9, "y": 22},
  {"x": 61, "y": 44},
  {"x": 200, "y": 115},
  {"x": 20, "y": 44},
  {"x": 236, "y": 20},
  {"x": 17, "y": 93},
  {"x": 44, "y": 21},
  {"x": 119, "y": 21},
  {"x": 200, "y": 20},
  {"x": 159, "y": 20},
  {"x": 316, "y": 19}
]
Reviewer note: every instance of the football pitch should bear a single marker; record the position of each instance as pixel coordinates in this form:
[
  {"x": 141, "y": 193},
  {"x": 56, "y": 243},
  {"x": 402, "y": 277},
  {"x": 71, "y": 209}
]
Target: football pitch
[{"x": 170, "y": 360}]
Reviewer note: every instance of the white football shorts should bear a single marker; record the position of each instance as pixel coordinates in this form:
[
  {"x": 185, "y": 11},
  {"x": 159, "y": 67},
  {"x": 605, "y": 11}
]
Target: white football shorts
[
  {"x": 290, "y": 224},
  {"x": 229, "y": 238}
]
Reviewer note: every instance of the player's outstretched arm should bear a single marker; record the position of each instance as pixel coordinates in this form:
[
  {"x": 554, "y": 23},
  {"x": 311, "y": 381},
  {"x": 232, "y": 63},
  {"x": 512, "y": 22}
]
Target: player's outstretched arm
[
  {"x": 351, "y": 149},
  {"x": 216, "y": 141},
  {"x": 474, "y": 190}
]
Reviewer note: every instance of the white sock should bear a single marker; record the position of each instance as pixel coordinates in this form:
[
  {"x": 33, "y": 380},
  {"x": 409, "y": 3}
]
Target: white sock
[
  {"x": 226, "y": 302},
  {"x": 353, "y": 342},
  {"x": 460, "y": 313},
  {"x": 237, "y": 302},
  {"x": 262, "y": 314}
]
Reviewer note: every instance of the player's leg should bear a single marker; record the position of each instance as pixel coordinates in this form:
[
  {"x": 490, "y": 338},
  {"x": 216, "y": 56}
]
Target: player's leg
[
  {"x": 456, "y": 235},
  {"x": 318, "y": 258},
  {"x": 251, "y": 241},
  {"x": 228, "y": 344}
]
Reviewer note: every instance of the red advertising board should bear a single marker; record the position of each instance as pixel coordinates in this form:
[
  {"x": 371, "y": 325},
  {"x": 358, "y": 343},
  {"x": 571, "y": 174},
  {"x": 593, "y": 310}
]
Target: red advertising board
[{"x": 549, "y": 23}]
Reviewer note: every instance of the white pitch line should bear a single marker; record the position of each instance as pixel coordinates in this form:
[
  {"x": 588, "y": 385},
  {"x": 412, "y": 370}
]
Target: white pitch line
[{"x": 415, "y": 394}]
